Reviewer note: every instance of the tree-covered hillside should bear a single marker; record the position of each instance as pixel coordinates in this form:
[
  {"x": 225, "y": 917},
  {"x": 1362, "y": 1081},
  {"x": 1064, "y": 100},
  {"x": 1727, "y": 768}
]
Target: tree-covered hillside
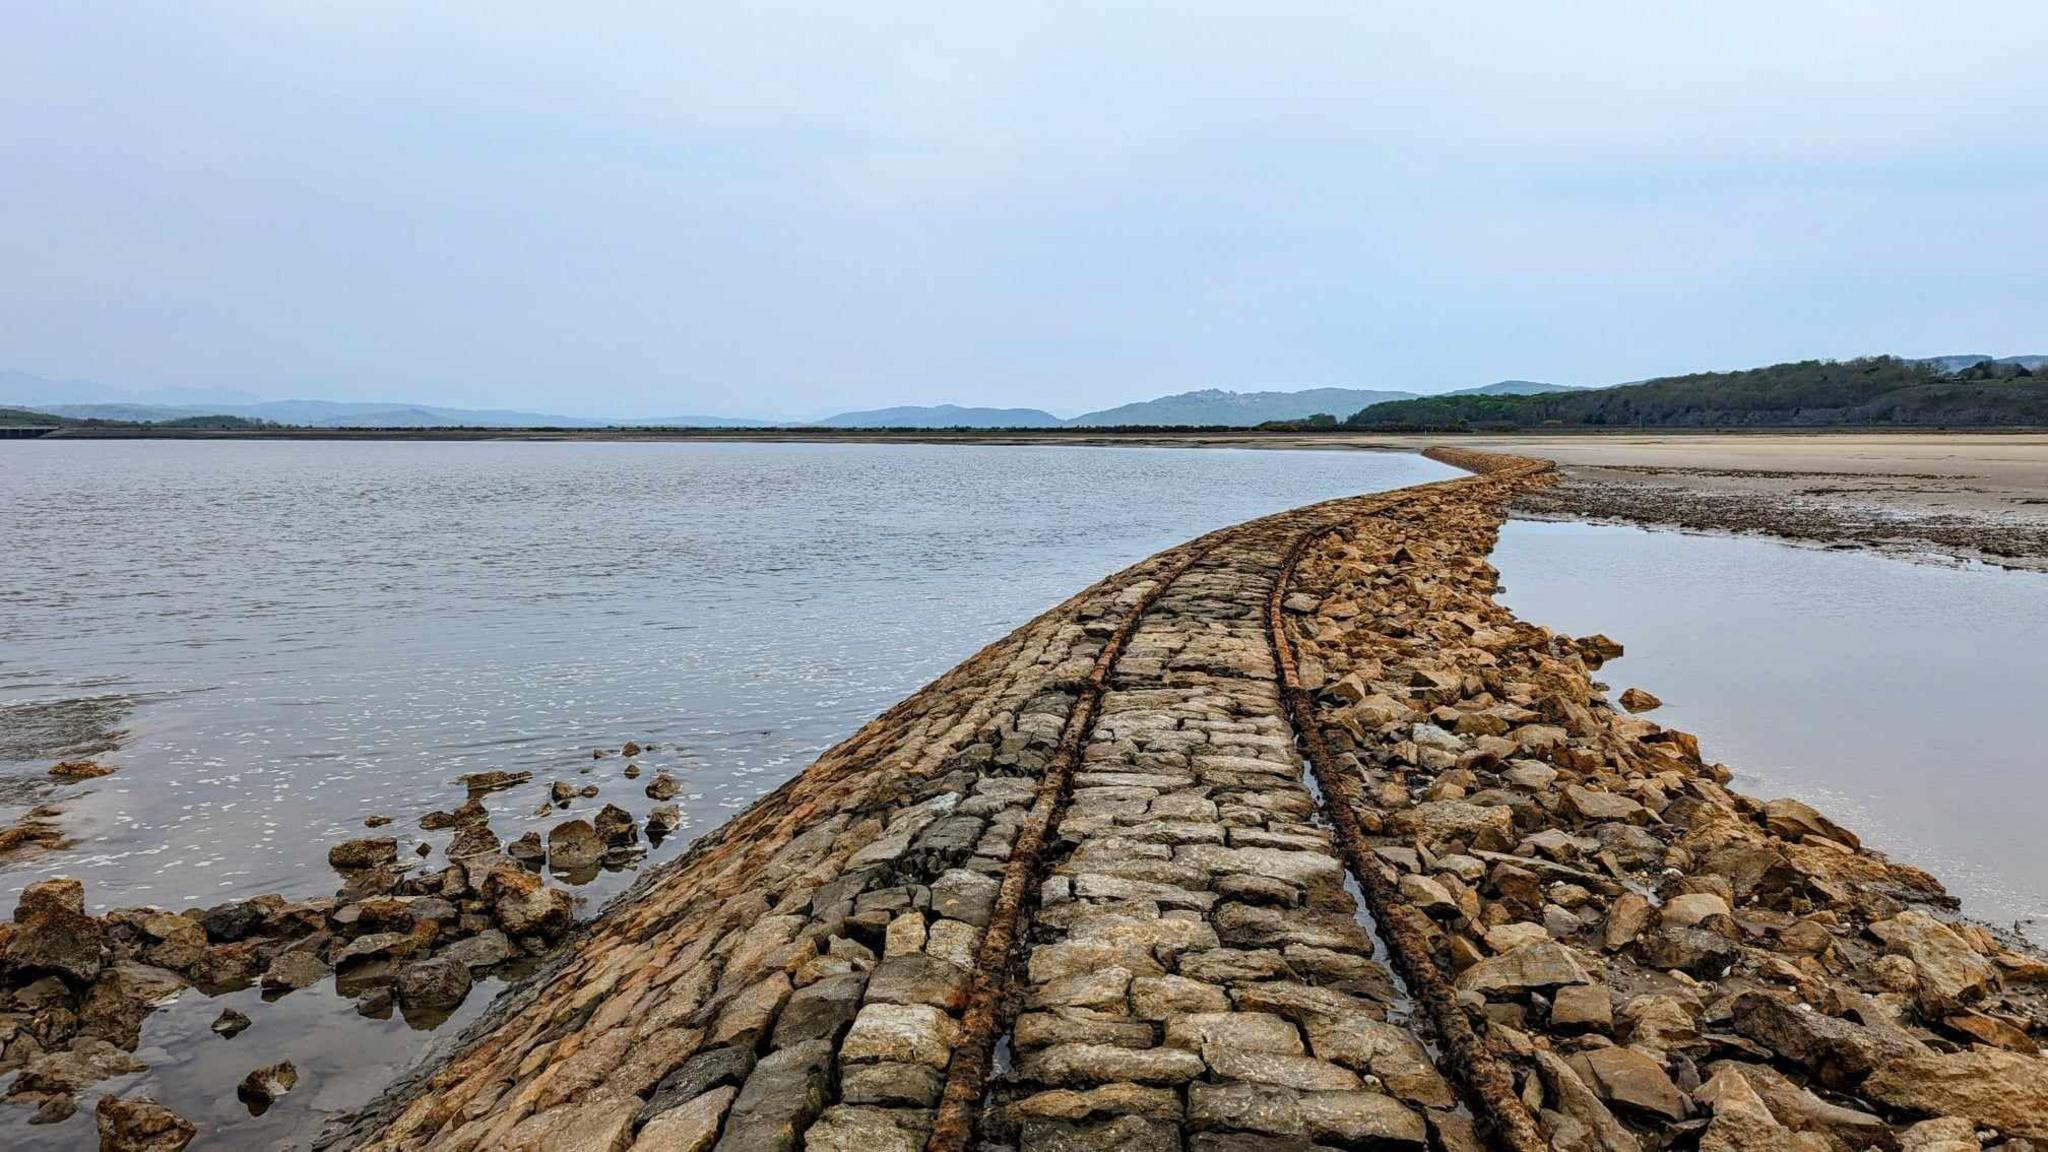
[{"x": 1878, "y": 391}]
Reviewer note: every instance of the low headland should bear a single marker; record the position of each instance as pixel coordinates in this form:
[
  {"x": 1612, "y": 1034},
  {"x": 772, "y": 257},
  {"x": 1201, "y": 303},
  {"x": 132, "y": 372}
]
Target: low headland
[{"x": 1288, "y": 837}]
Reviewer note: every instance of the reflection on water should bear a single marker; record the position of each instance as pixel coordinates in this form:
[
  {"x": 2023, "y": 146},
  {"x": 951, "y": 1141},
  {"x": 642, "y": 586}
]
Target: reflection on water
[
  {"x": 302, "y": 636},
  {"x": 1899, "y": 697}
]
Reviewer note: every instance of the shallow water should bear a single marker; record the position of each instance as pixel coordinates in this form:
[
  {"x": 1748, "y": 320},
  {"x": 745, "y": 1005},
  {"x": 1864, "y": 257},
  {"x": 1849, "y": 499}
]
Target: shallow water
[
  {"x": 296, "y": 636},
  {"x": 1898, "y": 697}
]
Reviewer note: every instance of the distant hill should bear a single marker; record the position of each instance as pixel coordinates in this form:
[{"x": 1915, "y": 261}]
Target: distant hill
[
  {"x": 25, "y": 418},
  {"x": 1972, "y": 359},
  {"x": 321, "y": 414},
  {"x": 1513, "y": 388},
  {"x": 693, "y": 422},
  {"x": 1215, "y": 407},
  {"x": 1876, "y": 391},
  {"x": 89, "y": 400},
  {"x": 340, "y": 414},
  {"x": 941, "y": 416}
]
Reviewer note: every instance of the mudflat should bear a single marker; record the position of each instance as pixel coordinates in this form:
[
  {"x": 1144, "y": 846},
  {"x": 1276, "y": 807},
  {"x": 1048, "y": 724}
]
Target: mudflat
[{"x": 1975, "y": 497}]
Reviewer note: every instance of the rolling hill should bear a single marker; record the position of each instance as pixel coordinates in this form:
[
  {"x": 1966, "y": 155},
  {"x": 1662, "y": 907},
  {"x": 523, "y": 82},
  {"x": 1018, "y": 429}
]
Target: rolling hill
[
  {"x": 941, "y": 416},
  {"x": 1513, "y": 388},
  {"x": 1216, "y": 407},
  {"x": 1876, "y": 391}
]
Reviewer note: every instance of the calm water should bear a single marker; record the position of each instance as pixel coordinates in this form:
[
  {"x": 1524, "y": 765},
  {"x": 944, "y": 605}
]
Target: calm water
[
  {"x": 1900, "y": 697},
  {"x": 296, "y": 636}
]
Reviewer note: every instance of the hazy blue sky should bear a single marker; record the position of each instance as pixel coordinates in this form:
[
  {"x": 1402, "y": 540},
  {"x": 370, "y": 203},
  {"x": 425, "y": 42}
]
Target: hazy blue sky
[{"x": 788, "y": 210}]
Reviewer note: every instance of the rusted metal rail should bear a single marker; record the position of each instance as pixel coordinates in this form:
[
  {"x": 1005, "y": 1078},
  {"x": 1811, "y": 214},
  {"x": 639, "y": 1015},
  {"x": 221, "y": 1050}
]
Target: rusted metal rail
[
  {"x": 1484, "y": 1079},
  {"x": 967, "y": 1072}
]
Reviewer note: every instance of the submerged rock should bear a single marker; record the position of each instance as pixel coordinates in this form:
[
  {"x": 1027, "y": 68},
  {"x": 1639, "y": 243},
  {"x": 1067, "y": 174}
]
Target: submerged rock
[
  {"x": 52, "y": 933},
  {"x": 472, "y": 840},
  {"x": 573, "y": 846},
  {"x": 356, "y": 855},
  {"x": 293, "y": 970},
  {"x": 663, "y": 787},
  {"x": 483, "y": 783},
  {"x": 141, "y": 1125},
  {"x": 65, "y": 1073},
  {"x": 442, "y": 982},
  {"x": 230, "y": 1023},
  {"x": 1637, "y": 700},
  {"x": 614, "y": 825},
  {"x": 259, "y": 1089}
]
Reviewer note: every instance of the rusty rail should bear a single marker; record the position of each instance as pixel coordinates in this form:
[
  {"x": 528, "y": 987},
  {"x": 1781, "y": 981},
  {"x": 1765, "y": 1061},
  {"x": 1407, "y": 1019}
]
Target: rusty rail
[
  {"x": 1488, "y": 1086},
  {"x": 967, "y": 1072}
]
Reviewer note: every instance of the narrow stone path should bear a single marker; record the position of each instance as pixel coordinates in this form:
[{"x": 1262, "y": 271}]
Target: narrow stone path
[{"x": 1198, "y": 976}]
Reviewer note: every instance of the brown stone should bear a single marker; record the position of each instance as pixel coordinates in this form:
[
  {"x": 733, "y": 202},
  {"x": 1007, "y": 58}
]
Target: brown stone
[
  {"x": 369, "y": 852},
  {"x": 141, "y": 1125},
  {"x": 52, "y": 933},
  {"x": 688, "y": 1127},
  {"x": 1582, "y": 1007},
  {"x": 1839, "y": 1053},
  {"x": 2002, "y": 1090},
  {"x": 1526, "y": 969},
  {"x": 1796, "y": 821},
  {"x": 1637, "y": 700},
  {"x": 1632, "y": 1079}
]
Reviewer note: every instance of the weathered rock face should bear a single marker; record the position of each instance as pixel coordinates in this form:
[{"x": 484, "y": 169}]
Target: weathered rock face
[
  {"x": 442, "y": 982},
  {"x": 260, "y": 1088},
  {"x": 141, "y": 1126},
  {"x": 2000, "y": 1090},
  {"x": 53, "y": 934},
  {"x": 574, "y": 846},
  {"x": 370, "y": 852},
  {"x": 1102, "y": 822}
]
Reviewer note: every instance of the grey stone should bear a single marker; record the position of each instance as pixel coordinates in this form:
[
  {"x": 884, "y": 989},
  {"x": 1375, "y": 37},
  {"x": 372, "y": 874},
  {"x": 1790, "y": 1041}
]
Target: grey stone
[
  {"x": 689, "y": 1126},
  {"x": 1528, "y": 968},
  {"x": 918, "y": 978},
  {"x": 442, "y": 982},
  {"x": 699, "y": 1074},
  {"x": 785, "y": 1092},
  {"x": 573, "y": 846},
  {"x": 481, "y": 950},
  {"x": 1839, "y": 1053},
  {"x": 1122, "y": 1134},
  {"x": 915, "y": 1085},
  {"x": 819, "y": 1011}
]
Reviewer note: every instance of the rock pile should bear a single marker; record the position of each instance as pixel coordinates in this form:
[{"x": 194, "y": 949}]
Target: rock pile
[
  {"x": 1662, "y": 960},
  {"x": 75, "y": 988}
]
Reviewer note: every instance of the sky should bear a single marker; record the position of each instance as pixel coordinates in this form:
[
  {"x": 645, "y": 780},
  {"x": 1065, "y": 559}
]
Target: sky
[{"x": 788, "y": 210}]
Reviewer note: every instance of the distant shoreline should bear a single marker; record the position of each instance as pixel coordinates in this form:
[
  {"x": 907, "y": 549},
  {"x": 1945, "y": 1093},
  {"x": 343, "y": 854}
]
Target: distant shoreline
[{"x": 1350, "y": 438}]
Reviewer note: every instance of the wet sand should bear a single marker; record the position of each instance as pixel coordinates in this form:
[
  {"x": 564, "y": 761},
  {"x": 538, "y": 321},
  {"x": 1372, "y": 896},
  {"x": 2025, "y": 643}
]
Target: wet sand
[{"x": 1966, "y": 497}]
